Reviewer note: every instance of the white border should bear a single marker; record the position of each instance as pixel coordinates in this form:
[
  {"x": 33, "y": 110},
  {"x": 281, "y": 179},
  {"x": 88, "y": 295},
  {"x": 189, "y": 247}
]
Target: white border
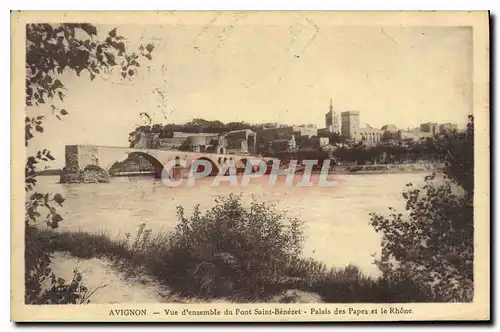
[{"x": 180, "y": 5}]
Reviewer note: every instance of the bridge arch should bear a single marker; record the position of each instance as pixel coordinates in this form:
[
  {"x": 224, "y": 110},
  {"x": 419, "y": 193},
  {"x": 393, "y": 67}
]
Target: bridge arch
[
  {"x": 157, "y": 165},
  {"x": 215, "y": 167}
]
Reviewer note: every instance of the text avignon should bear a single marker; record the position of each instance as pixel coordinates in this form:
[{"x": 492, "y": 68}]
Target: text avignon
[{"x": 128, "y": 312}]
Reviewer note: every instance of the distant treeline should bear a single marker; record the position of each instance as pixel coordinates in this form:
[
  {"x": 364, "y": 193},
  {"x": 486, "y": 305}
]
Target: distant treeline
[{"x": 201, "y": 126}]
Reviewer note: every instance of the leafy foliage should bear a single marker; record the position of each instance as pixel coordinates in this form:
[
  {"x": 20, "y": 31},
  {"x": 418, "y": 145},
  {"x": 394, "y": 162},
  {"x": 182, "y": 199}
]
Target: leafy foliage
[
  {"x": 51, "y": 50},
  {"x": 434, "y": 243},
  {"x": 232, "y": 249},
  {"x": 62, "y": 292}
]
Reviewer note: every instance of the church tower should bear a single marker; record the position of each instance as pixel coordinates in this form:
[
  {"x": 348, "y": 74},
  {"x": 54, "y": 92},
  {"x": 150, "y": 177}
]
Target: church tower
[{"x": 332, "y": 120}]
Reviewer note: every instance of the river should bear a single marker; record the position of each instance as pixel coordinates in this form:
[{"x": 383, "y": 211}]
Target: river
[{"x": 337, "y": 218}]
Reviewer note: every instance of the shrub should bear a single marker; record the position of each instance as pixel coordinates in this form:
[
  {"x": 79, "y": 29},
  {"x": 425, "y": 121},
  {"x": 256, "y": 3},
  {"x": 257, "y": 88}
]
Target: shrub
[
  {"x": 209, "y": 256},
  {"x": 434, "y": 244},
  {"x": 61, "y": 292},
  {"x": 231, "y": 250},
  {"x": 36, "y": 263}
]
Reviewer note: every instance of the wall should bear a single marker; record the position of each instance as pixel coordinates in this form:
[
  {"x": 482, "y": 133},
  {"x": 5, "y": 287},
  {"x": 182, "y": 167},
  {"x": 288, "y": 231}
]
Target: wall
[
  {"x": 350, "y": 123},
  {"x": 324, "y": 141},
  {"x": 415, "y": 135},
  {"x": 306, "y": 130},
  {"x": 88, "y": 155},
  {"x": 370, "y": 135},
  {"x": 445, "y": 127},
  {"x": 71, "y": 157},
  {"x": 429, "y": 128},
  {"x": 179, "y": 134},
  {"x": 199, "y": 140},
  {"x": 170, "y": 143}
]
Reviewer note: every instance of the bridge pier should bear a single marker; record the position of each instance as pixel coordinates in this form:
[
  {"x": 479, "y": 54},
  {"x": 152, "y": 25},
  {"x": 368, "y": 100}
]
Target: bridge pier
[
  {"x": 82, "y": 166},
  {"x": 158, "y": 173}
]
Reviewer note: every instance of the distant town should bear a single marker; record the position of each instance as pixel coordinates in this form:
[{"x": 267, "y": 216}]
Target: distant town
[
  {"x": 342, "y": 130},
  {"x": 342, "y": 141}
]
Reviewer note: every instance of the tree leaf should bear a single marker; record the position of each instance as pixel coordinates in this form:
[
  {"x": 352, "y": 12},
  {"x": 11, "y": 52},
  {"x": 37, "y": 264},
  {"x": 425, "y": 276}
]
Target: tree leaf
[
  {"x": 39, "y": 129},
  {"x": 57, "y": 84},
  {"x": 59, "y": 199},
  {"x": 112, "y": 33},
  {"x": 111, "y": 58},
  {"x": 56, "y": 218},
  {"x": 120, "y": 47},
  {"x": 64, "y": 112},
  {"x": 150, "y": 47},
  {"x": 90, "y": 29}
]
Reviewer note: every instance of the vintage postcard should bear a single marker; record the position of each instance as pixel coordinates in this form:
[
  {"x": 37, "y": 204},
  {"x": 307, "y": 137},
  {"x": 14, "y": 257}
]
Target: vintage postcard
[{"x": 250, "y": 166}]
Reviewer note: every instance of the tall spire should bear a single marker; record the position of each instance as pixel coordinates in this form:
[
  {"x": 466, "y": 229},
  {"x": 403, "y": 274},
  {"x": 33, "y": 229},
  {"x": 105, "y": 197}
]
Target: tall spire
[{"x": 331, "y": 105}]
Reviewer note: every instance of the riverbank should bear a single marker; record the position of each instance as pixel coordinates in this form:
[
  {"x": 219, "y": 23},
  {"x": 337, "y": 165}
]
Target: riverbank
[
  {"x": 137, "y": 271},
  {"x": 386, "y": 168},
  {"x": 111, "y": 285}
]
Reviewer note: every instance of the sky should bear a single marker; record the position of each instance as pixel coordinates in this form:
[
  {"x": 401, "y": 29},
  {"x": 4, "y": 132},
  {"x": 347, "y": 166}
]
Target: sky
[{"x": 235, "y": 67}]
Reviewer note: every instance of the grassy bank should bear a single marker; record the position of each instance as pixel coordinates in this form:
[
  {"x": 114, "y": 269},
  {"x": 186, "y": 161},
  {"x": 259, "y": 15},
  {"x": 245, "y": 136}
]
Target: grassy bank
[{"x": 222, "y": 276}]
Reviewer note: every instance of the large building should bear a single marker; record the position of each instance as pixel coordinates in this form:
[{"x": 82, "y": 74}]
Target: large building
[
  {"x": 390, "y": 132},
  {"x": 350, "y": 124},
  {"x": 352, "y": 130},
  {"x": 429, "y": 127},
  {"x": 268, "y": 135},
  {"x": 308, "y": 130},
  {"x": 447, "y": 127},
  {"x": 414, "y": 135},
  {"x": 332, "y": 120},
  {"x": 244, "y": 140}
]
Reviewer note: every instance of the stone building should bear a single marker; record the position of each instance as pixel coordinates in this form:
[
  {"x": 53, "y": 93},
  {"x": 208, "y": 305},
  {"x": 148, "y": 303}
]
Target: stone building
[
  {"x": 308, "y": 130},
  {"x": 352, "y": 130},
  {"x": 390, "y": 132},
  {"x": 429, "y": 127},
  {"x": 414, "y": 135},
  {"x": 197, "y": 142},
  {"x": 286, "y": 133},
  {"x": 447, "y": 127},
  {"x": 244, "y": 140},
  {"x": 282, "y": 145}
]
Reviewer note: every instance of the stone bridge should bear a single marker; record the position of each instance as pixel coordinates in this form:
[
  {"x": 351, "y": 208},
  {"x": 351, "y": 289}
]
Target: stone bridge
[{"x": 79, "y": 157}]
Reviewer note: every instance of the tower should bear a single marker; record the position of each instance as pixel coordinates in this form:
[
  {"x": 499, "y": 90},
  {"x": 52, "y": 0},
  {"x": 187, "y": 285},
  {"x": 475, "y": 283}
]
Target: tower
[
  {"x": 350, "y": 124},
  {"x": 332, "y": 121}
]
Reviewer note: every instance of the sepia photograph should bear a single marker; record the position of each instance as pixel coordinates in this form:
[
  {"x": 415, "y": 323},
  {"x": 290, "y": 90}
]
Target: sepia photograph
[{"x": 250, "y": 166}]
